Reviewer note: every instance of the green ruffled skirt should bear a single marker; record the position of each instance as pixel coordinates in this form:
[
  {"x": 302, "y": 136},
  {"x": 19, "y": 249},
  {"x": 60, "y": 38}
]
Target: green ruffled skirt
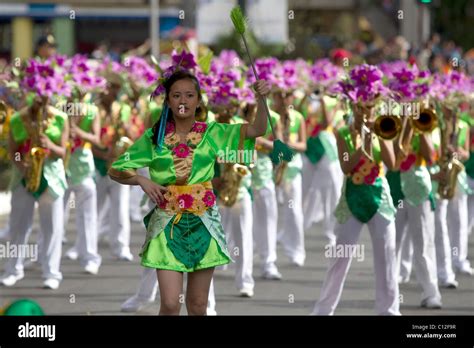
[{"x": 184, "y": 247}]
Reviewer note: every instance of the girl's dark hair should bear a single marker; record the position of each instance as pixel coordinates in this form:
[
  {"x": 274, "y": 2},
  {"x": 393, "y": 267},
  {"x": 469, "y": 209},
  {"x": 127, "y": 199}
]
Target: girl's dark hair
[{"x": 177, "y": 76}]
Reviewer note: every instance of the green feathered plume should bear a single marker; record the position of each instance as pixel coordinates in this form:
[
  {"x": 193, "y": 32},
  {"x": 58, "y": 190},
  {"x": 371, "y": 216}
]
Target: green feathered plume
[
  {"x": 281, "y": 151},
  {"x": 238, "y": 19}
]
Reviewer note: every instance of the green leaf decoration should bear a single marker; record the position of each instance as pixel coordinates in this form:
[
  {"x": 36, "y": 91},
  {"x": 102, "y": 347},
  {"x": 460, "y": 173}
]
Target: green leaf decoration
[
  {"x": 155, "y": 62},
  {"x": 205, "y": 62},
  {"x": 238, "y": 19}
]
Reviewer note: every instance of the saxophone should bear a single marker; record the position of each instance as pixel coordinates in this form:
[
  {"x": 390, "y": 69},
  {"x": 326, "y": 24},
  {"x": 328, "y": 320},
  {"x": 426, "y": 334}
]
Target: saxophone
[
  {"x": 449, "y": 164},
  {"x": 35, "y": 158},
  {"x": 233, "y": 174}
]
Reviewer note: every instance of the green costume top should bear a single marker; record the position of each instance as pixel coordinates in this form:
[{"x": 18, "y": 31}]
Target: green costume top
[
  {"x": 322, "y": 141},
  {"x": 186, "y": 169},
  {"x": 262, "y": 173},
  {"x": 295, "y": 166},
  {"x": 365, "y": 191},
  {"x": 53, "y": 175},
  {"x": 81, "y": 163}
]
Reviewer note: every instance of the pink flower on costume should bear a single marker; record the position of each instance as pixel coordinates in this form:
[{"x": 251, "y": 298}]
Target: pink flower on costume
[
  {"x": 209, "y": 198},
  {"x": 185, "y": 201},
  {"x": 182, "y": 151},
  {"x": 199, "y": 127}
]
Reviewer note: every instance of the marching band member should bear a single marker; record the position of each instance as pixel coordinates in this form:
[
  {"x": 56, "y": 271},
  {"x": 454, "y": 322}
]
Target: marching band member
[
  {"x": 288, "y": 177},
  {"x": 457, "y": 210},
  {"x": 265, "y": 204},
  {"x": 235, "y": 206},
  {"x": 37, "y": 145},
  {"x": 113, "y": 199},
  {"x": 184, "y": 230},
  {"x": 415, "y": 215},
  {"x": 322, "y": 166},
  {"x": 365, "y": 200},
  {"x": 80, "y": 170}
]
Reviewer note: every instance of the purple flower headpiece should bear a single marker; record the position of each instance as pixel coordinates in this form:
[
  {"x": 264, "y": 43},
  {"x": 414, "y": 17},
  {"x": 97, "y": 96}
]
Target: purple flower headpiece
[
  {"x": 408, "y": 83},
  {"x": 364, "y": 85},
  {"x": 48, "y": 78},
  {"x": 179, "y": 61}
]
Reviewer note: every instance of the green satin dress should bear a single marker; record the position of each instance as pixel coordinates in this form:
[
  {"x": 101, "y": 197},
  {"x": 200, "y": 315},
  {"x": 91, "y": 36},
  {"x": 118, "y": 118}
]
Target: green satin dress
[{"x": 197, "y": 241}]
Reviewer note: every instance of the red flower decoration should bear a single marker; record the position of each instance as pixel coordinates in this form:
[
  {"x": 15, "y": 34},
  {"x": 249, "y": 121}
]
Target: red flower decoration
[
  {"x": 375, "y": 171},
  {"x": 209, "y": 198},
  {"x": 199, "y": 127},
  {"x": 370, "y": 179},
  {"x": 185, "y": 201},
  {"x": 316, "y": 130},
  {"x": 163, "y": 204},
  {"x": 358, "y": 165},
  {"x": 182, "y": 151},
  {"x": 77, "y": 143},
  {"x": 408, "y": 162},
  {"x": 25, "y": 147}
]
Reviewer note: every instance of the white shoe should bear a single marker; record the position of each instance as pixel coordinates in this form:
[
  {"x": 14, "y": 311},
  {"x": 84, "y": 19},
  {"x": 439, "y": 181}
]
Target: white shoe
[
  {"x": 271, "y": 275},
  {"x": 431, "y": 303},
  {"x": 11, "y": 280},
  {"x": 125, "y": 256},
  {"x": 92, "y": 268},
  {"x": 297, "y": 263},
  {"x": 134, "y": 304},
  {"x": 465, "y": 269},
  {"x": 246, "y": 293},
  {"x": 403, "y": 280},
  {"x": 72, "y": 254},
  {"x": 51, "y": 283},
  {"x": 449, "y": 285}
]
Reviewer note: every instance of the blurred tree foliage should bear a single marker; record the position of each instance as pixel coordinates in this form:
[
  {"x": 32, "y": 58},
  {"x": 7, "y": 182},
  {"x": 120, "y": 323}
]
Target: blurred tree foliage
[{"x": 454, "y": 20}]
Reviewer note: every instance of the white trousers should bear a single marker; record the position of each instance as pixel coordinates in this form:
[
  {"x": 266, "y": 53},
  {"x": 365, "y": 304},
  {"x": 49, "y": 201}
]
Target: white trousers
[
  {"x": 265, "y": 232},
  {"x": 470, "y": 203},
  {"x": 51, "y": 231},
  {"x": 406, "y": 258},
  {"x": 237, "y": 222},
  {"x": 418, "y": 223},
  {"x": 443, "y": 244},
  {"x": 458, "y": 230},
  {"x": 322, "y": 194},
  {"x": 290, "y": 228},
  {"x": 114, "y": 217},
  {"x": 85, "y": 207},
  {"x": 382, "y": 233}
]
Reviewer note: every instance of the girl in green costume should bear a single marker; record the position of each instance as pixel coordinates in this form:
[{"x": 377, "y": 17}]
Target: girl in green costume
[
  {"x": 365, "y": 200},
  {"x": 184, "y": 232}
]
